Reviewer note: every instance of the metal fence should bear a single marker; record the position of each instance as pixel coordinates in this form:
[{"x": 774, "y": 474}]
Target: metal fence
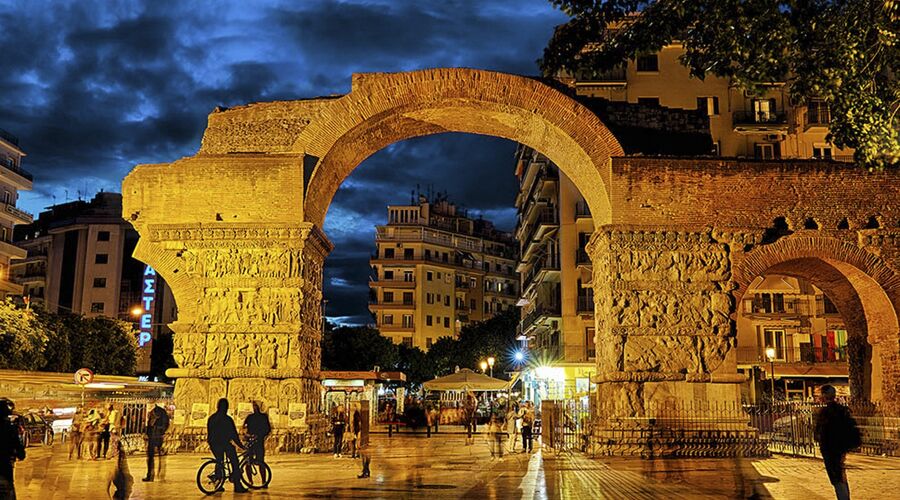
[{"x": 565, "y": 425}]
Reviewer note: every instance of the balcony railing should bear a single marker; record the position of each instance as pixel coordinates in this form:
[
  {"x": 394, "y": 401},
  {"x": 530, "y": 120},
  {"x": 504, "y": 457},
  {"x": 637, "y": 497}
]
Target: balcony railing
[
  {"x": 18, "y": 171},
  {"x": 18, "y": 212},
  {"x": 818, "y": 114},
  {"x": 394, "y": 282},
  {"x": 543, "y": 264},
  {"x": 805, "y": 353},
  {"x": 540, "y": 312},
  {"x": 589, "y": 76},
  {"x": 789, "y": 307},
  {"x": 759, "y": 118}
]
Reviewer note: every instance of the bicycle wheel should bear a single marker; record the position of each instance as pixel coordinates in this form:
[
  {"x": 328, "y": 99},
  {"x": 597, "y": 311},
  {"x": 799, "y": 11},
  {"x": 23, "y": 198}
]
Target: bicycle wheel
[
  {"x": 254, "y": 475},
  {"x": 208, "y": 480}
]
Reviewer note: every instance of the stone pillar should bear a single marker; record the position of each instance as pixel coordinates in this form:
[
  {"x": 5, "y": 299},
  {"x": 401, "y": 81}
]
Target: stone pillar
[
  {"x": 667, "y": 382},
  {"x": 250, "y": 310}
]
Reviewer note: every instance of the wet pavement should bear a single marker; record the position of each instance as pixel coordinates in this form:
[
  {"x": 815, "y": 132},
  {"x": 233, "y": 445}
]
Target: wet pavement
[{"x": 444, "y": 467}]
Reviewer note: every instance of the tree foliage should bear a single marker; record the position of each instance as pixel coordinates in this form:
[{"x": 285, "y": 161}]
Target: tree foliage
[
  {"x": 34, "y": 339},
  {"x": 357, "y": 348},
  {"x": 844, "y": 51}
]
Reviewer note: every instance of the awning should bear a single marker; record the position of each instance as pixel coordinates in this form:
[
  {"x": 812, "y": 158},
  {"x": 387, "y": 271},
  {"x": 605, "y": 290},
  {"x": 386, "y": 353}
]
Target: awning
[
  {"x": 809, "y": 370},
  {"x": 466, "y": 380}
]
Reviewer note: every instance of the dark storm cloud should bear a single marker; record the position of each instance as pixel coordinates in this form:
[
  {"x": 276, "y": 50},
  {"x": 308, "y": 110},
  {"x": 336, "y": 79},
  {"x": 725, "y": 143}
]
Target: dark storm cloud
[{"x": 93, "y": 88}]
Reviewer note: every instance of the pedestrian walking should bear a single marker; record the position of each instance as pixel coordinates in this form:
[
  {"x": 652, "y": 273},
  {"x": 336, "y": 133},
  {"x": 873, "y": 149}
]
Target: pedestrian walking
[
  {"x": 114, "y": 419},
  {"x": 513, "y": 425},
  {"x": 837, "y": 433},
  {"x": 355, "y": 431},
  {"x": 469, "y": 418},
  {"x": 11, "y": 449},
  {"x": 365, "y": 455},
  {"x": 495, "y": 433},
  {"x": 76, "y": 435},
  {"x": 527, "y": 426},
  {"x": 121, "y": 478},
  {"x": 157, "y": 425},
  {"x": 90, "y": 432},
  {"x": 338, "y": 423},
  {"x": 258, "y": 427},
  {"x": 222, "y": 436},
  {"x": 103, "y": 435}
]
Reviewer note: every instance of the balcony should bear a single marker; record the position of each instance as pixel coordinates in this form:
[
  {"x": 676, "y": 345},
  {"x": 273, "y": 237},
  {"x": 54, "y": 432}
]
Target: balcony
[
  {"x": 394, "y": 304},
  {"x": 393, "y": 283},
  {"x": 18, "y": 171},
  {"x": 759, "y": 121},
  {"x": 547, "y": 263},
  {"x": 589, "y": 77},
  {"x": 539, "y": 316},
  {"x": 20, "y": 215},
  {"x": 818, "y": 114},
  {"x": 787, "y": 308},
  {"x": 805, "y": 353}
]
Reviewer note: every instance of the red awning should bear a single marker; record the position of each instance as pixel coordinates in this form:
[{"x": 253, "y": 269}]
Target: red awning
[{"x": 811, "y": 370}]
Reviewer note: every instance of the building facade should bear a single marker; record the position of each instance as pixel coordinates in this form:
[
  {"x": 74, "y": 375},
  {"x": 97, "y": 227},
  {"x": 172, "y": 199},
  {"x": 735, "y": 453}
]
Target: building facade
[
  {"x": 435, "y": 270},
  {"x": 553, "y": 227},
  {"x": 742, "y": 125},
  {"x": 806, "y": 335},
  {"x": 12, "y": 180}
]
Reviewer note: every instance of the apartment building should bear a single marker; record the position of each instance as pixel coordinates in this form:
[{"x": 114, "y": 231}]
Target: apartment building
[
  {"x": 805, "y": 332},
  {"x": 12, "y": 180},
  {"x": 553, "y": 227},
  {"x": 436, "y": 270},
  {"x": 741, "y": 124}
]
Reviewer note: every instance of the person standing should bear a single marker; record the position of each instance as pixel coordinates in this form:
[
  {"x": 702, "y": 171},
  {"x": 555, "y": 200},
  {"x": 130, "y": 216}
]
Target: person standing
[
  {"x": 513, "y": 424},
  {"x": 355, "y": 432},
  {"x": 11, "y": 449},
  {"x": 837, "y": 433},
  {"x": 258, "y": 427},
  {"x": 157, "y": 425},
  {"x": 114, "y": 422},
  {"x": 221, "y": 435},
  {"x": 338, "y": 422},
  {"x": 527, "y": 425},
  {"x": 469, "y": 416},
  {"x": 75, "y": 433},
  {"x": 90, "y": 432},
  {"x": 103, "y": 435}
]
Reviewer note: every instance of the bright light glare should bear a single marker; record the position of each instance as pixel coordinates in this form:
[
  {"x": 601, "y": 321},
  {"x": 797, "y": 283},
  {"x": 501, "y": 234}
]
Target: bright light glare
[
  {"x": 770, "y": 353},
  {"x": 137, "y": 311},
  {"x": 519, "y": 356}
]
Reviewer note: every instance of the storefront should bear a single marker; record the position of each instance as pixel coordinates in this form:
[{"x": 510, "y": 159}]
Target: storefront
[{"x": 376, "y": 393}]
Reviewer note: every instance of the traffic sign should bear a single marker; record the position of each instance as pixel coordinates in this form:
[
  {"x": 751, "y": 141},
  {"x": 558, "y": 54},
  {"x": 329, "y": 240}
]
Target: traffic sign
[{"x": 84, "y": 376}]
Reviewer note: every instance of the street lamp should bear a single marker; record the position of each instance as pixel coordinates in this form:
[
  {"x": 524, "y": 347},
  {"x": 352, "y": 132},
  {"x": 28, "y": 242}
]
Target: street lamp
[
  {"x": 770, "y": 354},
  {"x": 137, "y": 311},
  {"x": 491, "y": 364},
  {"x": 483, "y": 366}
]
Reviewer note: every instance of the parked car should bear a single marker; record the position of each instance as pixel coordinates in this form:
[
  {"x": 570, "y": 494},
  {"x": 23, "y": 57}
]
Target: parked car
[{"x": 37, "y": 430}]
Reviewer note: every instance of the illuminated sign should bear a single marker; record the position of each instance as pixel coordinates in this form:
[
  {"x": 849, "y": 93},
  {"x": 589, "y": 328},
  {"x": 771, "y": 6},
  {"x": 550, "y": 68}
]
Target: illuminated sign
[{"x": 148, "y": 297}]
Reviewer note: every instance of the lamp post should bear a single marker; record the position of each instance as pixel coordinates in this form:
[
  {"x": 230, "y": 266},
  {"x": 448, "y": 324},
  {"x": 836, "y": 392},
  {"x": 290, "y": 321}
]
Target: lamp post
[
  {"x": 490, "y": 362},
  {"x": 770, "y": 354},
  {"x": 483, "y": 366}
]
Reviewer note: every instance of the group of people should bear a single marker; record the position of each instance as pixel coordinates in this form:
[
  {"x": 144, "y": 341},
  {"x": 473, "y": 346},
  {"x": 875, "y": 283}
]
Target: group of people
[
  {"x": 349, "y": 437},
  {"x": 93, "y": 429},
  {"x": 518, "y": 420},
  {"x": 223, "y": 439}
]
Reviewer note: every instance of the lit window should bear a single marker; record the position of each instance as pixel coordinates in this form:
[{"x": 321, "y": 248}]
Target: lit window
[{"x": 648, "y": 63}]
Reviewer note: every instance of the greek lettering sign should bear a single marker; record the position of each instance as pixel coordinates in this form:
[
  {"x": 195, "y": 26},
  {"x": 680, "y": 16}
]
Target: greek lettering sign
[
  {"x": 84, "y": 376},
  {"x": 148, "y": 297}
]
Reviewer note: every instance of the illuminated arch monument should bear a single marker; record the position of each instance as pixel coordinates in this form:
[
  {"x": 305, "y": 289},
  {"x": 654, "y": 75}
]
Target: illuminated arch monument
[{"x": 235, "y": 231}]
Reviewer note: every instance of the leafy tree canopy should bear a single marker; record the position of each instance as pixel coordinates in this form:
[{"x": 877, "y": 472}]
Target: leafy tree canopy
[
  {"x": 357, "y": 348},
  {"x": 844, "y": 51},
  {"x": 22, "y": 340}
]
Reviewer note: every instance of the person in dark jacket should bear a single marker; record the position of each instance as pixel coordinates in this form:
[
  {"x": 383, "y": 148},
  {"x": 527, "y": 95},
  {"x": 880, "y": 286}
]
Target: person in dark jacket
[
  {"x": 338, "y": 423},
  {"x": 157, "y": 425},
  {"x": 837, "y": 433},
  {"x": 258, "y": 427},
  {"x": 221, "y": 434},
  {"x": 11, "y": 449}
]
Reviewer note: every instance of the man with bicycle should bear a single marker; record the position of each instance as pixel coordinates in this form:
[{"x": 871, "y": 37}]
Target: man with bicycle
[
  {"x": 258, "y": 427},
  {"x": 222, "y": 435}
]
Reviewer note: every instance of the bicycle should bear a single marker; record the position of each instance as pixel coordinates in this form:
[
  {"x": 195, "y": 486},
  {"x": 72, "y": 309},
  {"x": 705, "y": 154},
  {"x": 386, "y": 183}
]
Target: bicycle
[{"x": 252, "y": 473}]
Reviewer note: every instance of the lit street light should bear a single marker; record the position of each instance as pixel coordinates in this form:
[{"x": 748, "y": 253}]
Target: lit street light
[
  {"x": 491, "y": 364},
  {"x": 483, "y": 366},
  {"x": 770, "y": 353},
  {"x": 519, "y": 356}
]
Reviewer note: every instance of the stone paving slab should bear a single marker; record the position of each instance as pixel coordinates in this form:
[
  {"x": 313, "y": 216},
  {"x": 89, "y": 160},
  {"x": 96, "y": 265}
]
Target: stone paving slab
[{"x": 444, "y": 467}]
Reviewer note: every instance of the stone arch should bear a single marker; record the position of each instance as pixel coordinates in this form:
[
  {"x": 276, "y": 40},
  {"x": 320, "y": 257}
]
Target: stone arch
[
  {"x": 865, "y": 290},
  {"x": 386, "y": 108}
]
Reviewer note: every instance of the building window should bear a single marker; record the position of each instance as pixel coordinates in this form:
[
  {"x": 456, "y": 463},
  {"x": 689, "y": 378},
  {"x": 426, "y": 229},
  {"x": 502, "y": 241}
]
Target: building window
[
  {"x": 428, "y": 320},
  {"x": 708, "y": 105},
  {"x": 648, "y": 101},
  {"x": 439, "y": 274},
  {"x": 818, "y": 112},
  {"x": 7, "y": 197},
  {"x": 407, "y": 298},
  {"x": 101, "y": 258},
  {"x": 429, "y": 276},
  {"x": 407, "y": 341},
  {"x": 4, "y": 234},
  {"x": 388, "y": 297},
  {"x": 446, "y": 322},
  {"x": 822, "y": 151},
  {"x": 648, "y": 63},
  {"x": 389, "y": 275},
  {"x": 407, "y": 321},
  {"x": 99, "y": 282},
  {"x": 428, "y": 342},
  {"x": 97, "y": 307},
  {"x": 775, "y": 339},
  {"x": 429, "y": 298},
  {"x": 471, "y": 304},
  {"x": 764, "y": 110},
  {"x": 102, "y": 235},
  {"x": 764, "y": 151},
  {"x": 388, "y": 319},
  {"x": 388, "y": 253},
  {"x": 408, "y": 254},
  {"x": 447, "y": 300},
  {"x": 717, "y": 149},
  {"x": 408, "y": 276},
  {"x": 829, "y": 306}
]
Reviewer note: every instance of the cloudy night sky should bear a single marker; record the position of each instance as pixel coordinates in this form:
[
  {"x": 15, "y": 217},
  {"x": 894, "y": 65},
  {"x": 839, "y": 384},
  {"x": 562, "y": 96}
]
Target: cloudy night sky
[{"x": 93, "y": 88}]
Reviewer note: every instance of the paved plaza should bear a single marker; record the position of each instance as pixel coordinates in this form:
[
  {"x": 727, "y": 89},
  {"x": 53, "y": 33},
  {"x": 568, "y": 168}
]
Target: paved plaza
[{"x": 443, "y": 467}]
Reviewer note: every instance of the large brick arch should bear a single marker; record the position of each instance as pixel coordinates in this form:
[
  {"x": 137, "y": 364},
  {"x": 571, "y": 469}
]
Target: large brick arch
[
  {"x": 384, "y": 108},
  {"x": 862, "y": 286}
]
